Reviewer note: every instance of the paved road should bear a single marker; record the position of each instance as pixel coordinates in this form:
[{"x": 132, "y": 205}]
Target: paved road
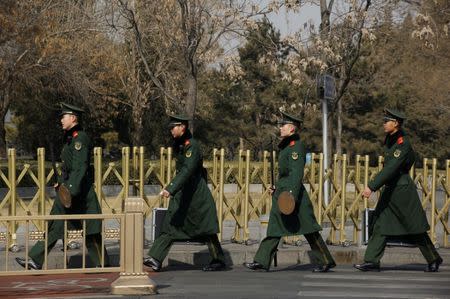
[
  {"x": 185, "y": 281},
  {"x": 299, "y": 282}
]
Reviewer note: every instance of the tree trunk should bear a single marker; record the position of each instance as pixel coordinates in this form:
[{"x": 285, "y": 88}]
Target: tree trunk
[
  {"x": 241, "y": 143},
  {"x": 4, "y": 107},
  {"x": 138, "y": 127},
  {"x": 2, "y": 136},
  {"x": 191, "y": 98}
]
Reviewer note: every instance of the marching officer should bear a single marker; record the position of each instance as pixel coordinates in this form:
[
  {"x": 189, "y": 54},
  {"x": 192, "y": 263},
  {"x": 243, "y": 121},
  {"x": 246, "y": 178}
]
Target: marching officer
[
  {"x": 291, "y": 163},
  {"x": 399, "y": 211},
  {"x": 192, "y": 212},
  {"x": 78, "y": 178}
]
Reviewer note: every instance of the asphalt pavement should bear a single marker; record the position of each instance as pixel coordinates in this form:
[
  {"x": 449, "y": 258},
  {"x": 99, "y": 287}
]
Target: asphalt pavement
[{"x": 406, "y": 281}]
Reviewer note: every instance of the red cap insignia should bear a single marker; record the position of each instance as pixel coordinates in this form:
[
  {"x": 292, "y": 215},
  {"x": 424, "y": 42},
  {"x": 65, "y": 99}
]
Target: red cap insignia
[
  {"x": 292, "y": 143},
  {"x": 75, "y": 134},
  {"x": 400, "y": 140},
  {"x": 187, "y": 142}
]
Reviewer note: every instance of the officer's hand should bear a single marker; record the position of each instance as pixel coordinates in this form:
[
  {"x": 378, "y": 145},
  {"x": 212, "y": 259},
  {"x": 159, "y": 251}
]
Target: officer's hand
[
  {"x": 271, "y": 190},
  {"x": 165, "y": 193},
  {"x": 367, "y": 192}
]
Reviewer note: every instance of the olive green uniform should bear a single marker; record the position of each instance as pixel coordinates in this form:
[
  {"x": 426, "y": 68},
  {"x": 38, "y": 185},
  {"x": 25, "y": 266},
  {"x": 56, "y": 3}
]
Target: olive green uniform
[
  {"x": 291, "y": 163},
  {"x": 78, "y": 177},
  {"x": 399, "y": 211},
  {"x": 191, "y": 214}
]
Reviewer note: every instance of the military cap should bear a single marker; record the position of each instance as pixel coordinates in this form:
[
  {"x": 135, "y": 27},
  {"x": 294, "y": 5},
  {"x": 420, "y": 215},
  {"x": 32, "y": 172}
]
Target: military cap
[
  {"x": 289, "y": 119},
  {"x": 393, "y": 114},
  {"x": 179, "y": 119},
  {"x": 70, "y": 109}
]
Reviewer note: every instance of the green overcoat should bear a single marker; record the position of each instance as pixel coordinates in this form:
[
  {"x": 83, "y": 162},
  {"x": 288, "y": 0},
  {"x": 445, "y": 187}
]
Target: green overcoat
[
  {"x": 291, "y": 163},
  {"x": 78, "y": 177},
  {"x": 192, "y": 211},
  {"x": 399, "y": 210}
]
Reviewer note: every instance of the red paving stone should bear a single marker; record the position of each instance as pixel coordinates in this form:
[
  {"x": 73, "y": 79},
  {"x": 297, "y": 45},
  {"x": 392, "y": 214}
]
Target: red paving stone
[{"x": 57, "y": 285}]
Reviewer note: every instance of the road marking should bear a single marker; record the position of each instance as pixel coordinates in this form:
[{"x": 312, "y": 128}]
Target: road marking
[
  {"x": 346, "y": 294},
  {"x": 377, "y": 285},
  {"x": 375, "y": 277}
]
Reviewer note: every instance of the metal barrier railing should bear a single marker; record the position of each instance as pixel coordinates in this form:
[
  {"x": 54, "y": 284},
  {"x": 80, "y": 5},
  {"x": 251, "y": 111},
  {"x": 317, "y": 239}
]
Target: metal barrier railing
[
  {"x": 132, "y": 278},
  {"x": 34, "y": 233},
  {"x": 347, "y": 181}
]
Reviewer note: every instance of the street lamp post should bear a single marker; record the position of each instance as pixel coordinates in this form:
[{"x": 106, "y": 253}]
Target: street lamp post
[{"x": 326, "y": 93}]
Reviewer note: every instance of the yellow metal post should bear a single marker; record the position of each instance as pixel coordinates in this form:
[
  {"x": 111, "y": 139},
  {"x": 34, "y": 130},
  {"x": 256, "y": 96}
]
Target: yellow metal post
[
  {"x": 162, "y": 165},
  {"x": 169, "y": 173},
  {"x": 447, "y": 199},
  {"x": 425, "y": 189},
  {"x": 366, "y": 179},
  {"x": 133, "y": 280},
  {"x": 125, "y": 173},
  {"x": 98, "y": 174},
  {"x": 134, "y": 170},
  {"x": 433, "y": 201},
  {"x": 41, "y": 179},
  {"x": 141, "y": 172},
  {"x": 247, "y": 195},
  {"x": 221, "y": 189},
  {"x": 343, "y": 197},
  {"x": 12, "y": 200},
  {"x": 320, "y": 195},
  {"x": 215, "y": 165}
]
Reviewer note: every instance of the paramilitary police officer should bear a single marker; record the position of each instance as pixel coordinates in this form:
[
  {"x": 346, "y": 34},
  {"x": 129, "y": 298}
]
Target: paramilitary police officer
[
  {"x": 291, "y": 163},
  {"x": 192, "y": 211},
  {"x": 399, "y": 211},
  {"x": 78, "y": 178}
]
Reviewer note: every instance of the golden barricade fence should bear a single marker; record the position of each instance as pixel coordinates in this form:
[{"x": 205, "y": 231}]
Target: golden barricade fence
[
  {"x": 128, "y": 234},
  {"x": 33, "y": 233},
  {"x": 233, "y": 187}
]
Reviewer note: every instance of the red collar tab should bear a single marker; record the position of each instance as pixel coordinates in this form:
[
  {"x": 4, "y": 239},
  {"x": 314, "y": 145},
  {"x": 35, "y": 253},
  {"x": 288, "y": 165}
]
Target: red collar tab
[
  {"x": 292, "y": 143},
  {"x": 74, "y": 134},
  {"x": 400, "y": 140},
  {"x": 187, "y": 142}
]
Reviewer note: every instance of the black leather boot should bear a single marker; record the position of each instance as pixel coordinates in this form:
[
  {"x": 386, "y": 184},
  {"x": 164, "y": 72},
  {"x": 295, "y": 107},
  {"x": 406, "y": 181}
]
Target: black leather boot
[
  {"x": 31, "y": 263},
  {"x": 324, "y": 268},
  {"x": 255, "y": 266},
  {"x": 434, "y": 266},
  {"x": 367, "y": 267},
  {"x": 152, "y": 263}
]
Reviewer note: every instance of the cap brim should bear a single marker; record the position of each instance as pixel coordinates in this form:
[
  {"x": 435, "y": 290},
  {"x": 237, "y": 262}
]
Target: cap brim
[
  {"x": 387, "y": 118},
  {"x": 67, "y": 112},
  {"x": 174, "y": 124}
]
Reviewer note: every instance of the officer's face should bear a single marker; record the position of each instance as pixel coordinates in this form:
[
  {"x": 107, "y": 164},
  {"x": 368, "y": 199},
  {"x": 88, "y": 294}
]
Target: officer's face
[
  {"x": 177, "y": 131},
  {"x": 68, "y": 121},
  {"x": 390, "y": 126},
  {"x": 286, "y": 130}
]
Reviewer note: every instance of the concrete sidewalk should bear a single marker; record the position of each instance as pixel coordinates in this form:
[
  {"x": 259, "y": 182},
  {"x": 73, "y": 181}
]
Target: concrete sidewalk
[
  {"x": 197, "y": 254},
  {"x": 236, "y": 254}
]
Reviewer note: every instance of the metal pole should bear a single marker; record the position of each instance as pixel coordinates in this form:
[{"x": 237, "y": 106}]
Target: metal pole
[{"x": 325, "y": 148}]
